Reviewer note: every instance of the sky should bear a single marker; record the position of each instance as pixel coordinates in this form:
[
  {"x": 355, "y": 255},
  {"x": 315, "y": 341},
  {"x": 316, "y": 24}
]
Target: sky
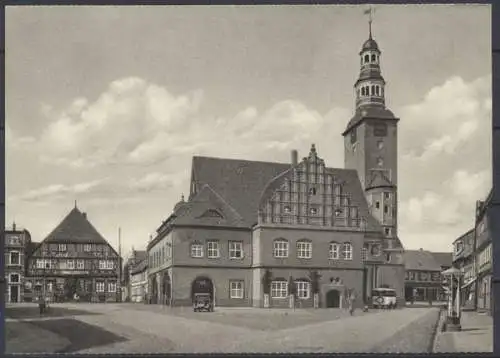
[{"x": 107, "y": 106}]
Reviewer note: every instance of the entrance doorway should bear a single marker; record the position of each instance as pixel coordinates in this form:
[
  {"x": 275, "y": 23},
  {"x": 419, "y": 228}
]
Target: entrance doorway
[
  {"x": 333, "y": 299},
  {"x": 14, "y": 294},
  {"x": 202, "y": 284}
]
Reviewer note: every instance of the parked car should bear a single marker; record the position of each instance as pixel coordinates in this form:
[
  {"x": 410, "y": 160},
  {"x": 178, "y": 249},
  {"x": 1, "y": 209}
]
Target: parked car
[
  {"x": 202, "y": 302},
  {"x": 384, "y": 298}
]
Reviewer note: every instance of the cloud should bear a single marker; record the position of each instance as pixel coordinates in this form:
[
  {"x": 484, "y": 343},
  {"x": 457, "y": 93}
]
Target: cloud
[
  {"x": 16, "y": 142},
  {"x": 153, "y": 182},
  {"x": 58, "y": 191}
]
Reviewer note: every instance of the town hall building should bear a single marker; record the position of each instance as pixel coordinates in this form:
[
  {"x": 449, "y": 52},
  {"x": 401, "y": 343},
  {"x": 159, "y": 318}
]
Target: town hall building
[{"x": 299, "y": 234}]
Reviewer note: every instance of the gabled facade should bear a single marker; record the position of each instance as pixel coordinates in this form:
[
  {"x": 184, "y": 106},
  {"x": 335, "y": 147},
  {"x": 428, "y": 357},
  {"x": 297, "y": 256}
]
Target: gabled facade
[
  {"x": 74, "y": 262},
  {"x": 17, "y": 243}
]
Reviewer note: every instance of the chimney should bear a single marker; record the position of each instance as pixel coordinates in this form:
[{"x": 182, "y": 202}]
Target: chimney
[
  {"x": 295, "y": 157},
  {"x": 14, "y": 226},
  {"x": 84, "y": 216}
]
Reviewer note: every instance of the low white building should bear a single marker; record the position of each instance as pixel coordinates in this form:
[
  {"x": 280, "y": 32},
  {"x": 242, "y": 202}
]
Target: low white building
[{"x": 139, "y": 282}]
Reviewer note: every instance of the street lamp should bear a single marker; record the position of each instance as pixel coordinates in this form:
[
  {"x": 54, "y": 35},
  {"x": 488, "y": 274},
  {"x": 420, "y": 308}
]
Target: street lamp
[{"x": 454, "y": 307}]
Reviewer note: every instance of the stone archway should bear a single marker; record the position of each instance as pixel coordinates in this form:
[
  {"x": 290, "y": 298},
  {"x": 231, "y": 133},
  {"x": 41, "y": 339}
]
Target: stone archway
[
  {"x": 202, "y": 284},
  {"x": 333, "y": 298}
]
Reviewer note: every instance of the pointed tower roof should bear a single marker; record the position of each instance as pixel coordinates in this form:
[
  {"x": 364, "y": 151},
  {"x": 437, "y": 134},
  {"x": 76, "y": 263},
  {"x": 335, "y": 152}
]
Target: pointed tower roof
[{"x": 75, "y": 228}]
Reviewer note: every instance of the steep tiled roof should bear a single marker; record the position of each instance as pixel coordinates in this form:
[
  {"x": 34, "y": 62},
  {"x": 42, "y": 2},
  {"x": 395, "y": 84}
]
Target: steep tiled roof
[
  {"x": 75, "y": 228},
  {"x": 443, "y": 258},
  {"x": 241, "y": 184},
  {"x": 140, "y": 267},
  {"x": 208, "y": 208},
  {"x": 421, "y": 260}
]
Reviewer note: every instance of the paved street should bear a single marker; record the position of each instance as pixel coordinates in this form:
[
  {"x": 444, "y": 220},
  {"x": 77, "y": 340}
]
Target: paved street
[{"x": 119, "y": 328}]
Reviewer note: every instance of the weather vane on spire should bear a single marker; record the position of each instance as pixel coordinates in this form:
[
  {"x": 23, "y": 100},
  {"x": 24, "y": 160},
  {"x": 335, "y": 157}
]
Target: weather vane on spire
[{"x": 370, "y": 12}]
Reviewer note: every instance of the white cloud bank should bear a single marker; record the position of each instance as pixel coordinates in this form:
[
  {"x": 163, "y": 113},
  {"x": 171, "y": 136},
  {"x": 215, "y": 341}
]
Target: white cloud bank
[{"x": 445, "y": 145}]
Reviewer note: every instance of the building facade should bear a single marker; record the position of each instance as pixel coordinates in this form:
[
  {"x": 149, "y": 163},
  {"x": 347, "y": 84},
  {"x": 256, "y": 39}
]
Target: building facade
[
  {"x": 74, "y": 262},
  {"x": 17, "y": 243},
  {"x": 301, "y": 233},
  {"x": 135, "y": 257},
  {"x": 464, "y": 259},
  {"x": 484, "y": 257},
  {"x": 423, "y": 279},
  {"x": 139, "y": 282}
]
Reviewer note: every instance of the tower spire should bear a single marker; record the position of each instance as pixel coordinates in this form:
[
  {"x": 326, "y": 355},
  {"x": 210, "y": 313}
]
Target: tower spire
[{"x": 369, "y": 12}]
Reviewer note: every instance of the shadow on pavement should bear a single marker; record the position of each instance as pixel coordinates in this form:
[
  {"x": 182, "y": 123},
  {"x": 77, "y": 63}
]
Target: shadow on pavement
[
  {"x": 81, "y": 335},
  {"x": 23, "y": 312}
]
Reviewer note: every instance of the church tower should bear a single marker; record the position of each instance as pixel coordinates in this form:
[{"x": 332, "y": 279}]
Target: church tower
[{"x": 370, "y": 140}]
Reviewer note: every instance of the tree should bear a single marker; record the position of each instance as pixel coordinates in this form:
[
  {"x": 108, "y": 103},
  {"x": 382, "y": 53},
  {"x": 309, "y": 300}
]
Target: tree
[{"x": 266, "y": 281}]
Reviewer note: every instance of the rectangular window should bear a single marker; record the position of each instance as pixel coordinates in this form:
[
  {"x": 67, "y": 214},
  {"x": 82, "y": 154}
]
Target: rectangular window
[
  {"x": 235, "y": 249},
  {"x": 71, "y": 265},
  {"x": 333, "y": 253},
  {"x": 304, "y": 250},
  {"x": 279, "y": 289},
  {"x": 196, "y": 250},
  {"x": 364, "y": 253},
  {"x": 213, "y": 249},
  {"x": 387, "y": 231},
  {"x": 80, "y": 264},
  {"x": 102, "y": 265},
  {"x": 14, "y": 258},
  {"x": 386, "y": 209},
  {"x": 387, "y": 195},
  {"x": 110, "y": 265},
  {"x": 99, "y": 286},
  {"x": 377, "y": 205},
  {"x": 61, "y": 247},
  {"x": 111, "y": 286},
  {"x": 280, "y": 248},
  {"x": 40, "y": 264},
  {"x": 236, "y": 289},
  {"x": 303, "y": 289},
  {"x": 14, "y": 278},
  {"x": 87, "y": 247}
]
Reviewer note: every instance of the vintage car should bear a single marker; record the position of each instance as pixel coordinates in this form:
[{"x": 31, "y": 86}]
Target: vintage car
[
  {"x": 202, "y": 302},
  {"x": 384, "y": 298}
]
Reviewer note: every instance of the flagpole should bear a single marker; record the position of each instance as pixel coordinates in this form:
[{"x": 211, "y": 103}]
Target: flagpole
[{"x": 120, "y": 263}]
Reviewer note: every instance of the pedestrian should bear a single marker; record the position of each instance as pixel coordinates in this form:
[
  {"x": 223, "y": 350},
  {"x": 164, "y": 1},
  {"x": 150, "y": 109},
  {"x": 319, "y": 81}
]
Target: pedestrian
[
  {"x": 41, "y": 305},
  {"x": 350, "y": 303}
]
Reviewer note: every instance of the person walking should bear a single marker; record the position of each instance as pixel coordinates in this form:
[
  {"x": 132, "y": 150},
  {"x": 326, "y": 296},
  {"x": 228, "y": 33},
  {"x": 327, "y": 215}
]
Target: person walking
[{"x": 350, "y": 302}]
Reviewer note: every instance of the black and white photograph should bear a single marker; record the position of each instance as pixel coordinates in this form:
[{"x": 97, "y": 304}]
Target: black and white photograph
[{"x": 248, "y": 179}]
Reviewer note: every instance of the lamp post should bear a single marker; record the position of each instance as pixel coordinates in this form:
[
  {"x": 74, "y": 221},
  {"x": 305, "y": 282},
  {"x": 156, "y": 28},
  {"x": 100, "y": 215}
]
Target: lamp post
[{"x": 454, "y": 307}]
